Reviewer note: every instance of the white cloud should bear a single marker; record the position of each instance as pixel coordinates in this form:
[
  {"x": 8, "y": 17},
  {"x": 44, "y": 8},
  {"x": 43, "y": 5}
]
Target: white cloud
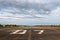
[
  {"x": 18, "y": 10},
  {"x": 55, "y": 14},
  {"x": 32, "y": 1},
  {"x": 53, "y": 18},
  {"x": 16, "y": 13}
]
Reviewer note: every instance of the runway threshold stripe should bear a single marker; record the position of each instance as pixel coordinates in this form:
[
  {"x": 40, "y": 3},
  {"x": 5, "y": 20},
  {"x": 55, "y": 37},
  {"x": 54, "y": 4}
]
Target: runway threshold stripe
[
  {"x": 23, "y": 32},
  {"x": 19, "y": 32},
  {"x": 15, "y": 32},
  {"x": 41, "y": 31}
]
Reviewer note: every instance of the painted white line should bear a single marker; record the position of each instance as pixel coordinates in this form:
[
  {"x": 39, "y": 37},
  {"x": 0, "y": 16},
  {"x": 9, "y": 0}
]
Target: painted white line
[
  {"x": 15, "y": 32},
  {"x": 41, "y": 31},
  {"x": 19, "y": 32},
  {"x": 24, "y": 31}
]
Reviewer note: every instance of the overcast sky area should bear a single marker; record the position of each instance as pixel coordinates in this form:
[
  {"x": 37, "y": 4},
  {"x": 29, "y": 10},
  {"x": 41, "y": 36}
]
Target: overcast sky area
[{"x": 30, "y": 12}]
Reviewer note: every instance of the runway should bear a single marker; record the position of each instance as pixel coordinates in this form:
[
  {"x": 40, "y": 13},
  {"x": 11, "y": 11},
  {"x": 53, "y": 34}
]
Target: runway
[{"x": 29, "y": 34}]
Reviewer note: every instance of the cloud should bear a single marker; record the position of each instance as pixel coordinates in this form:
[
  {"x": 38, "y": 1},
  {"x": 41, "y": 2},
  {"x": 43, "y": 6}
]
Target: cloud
[
  {"x": 37, "y": 5},
  {"x": 40, "y": 6},
  {"x": 16, "y": 13},
  {"x": 53, "y": 18},
  {"x": 55, "y": 14},
  {"x": 47, "y": 11}
]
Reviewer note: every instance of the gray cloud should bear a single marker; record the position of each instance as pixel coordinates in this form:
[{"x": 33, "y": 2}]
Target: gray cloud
[
  {"x": 16, "y": 9},
  {"x": 39, "y": 7},
  {"x": 20, "y": 4}
]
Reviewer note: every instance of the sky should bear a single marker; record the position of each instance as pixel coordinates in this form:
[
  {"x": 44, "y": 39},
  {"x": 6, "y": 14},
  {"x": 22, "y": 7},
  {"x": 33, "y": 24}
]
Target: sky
[{"x": 30, "y": 12}]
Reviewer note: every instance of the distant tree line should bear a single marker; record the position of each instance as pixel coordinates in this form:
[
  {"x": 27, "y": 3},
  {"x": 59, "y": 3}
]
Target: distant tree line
[
  {"x": 1, "y": 25},
  {"x": 8, "y": 25},
  {"x": 46, "y": 26},
  {"x": 11, "y": 25}
]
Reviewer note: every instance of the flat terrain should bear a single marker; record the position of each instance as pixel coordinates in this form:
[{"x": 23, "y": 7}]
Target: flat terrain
[{"x": 29, "y": 34}]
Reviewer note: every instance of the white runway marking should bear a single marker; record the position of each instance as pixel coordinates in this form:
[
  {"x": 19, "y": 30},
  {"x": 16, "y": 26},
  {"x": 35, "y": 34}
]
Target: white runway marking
[
  {"x": 23, "y": 32},
  {"x": 15, "y": 32},
  {"x": 19, "y": 32},
  {"x": 40, "y": 31}
]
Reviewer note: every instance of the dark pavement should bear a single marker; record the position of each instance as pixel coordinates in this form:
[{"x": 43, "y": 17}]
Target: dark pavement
[{"x": 30, "y": 34}]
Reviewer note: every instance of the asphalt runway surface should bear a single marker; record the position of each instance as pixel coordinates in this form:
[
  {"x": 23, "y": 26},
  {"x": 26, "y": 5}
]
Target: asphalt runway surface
[{"x": 29, "y": 34}]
